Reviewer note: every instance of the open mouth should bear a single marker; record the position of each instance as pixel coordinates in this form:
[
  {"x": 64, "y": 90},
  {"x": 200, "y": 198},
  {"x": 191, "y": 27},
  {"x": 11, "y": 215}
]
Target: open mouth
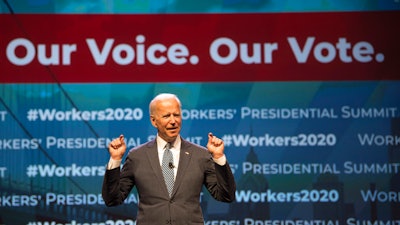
[{"x": 172, "y": 129}]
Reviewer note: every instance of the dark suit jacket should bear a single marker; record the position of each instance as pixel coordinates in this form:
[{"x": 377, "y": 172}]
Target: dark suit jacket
[{"x": 142, "y": 169}]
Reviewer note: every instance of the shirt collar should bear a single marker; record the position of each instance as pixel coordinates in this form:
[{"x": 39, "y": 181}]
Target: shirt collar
[{"x": 161, "y": 142}]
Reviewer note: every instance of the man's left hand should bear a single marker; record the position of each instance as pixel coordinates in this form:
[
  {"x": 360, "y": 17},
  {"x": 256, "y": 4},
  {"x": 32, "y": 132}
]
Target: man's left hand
[{"x": 215, "y": 146}]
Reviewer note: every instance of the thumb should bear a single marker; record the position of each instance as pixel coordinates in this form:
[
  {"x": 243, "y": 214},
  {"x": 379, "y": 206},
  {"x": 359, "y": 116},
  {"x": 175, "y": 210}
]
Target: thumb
[
  {"x": 121, "y": 138},
  {"x": 210, "y": 136}
]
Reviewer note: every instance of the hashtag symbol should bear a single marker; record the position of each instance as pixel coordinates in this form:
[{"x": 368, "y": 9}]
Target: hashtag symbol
[
  {"x": 32, "y": 171},
  {"x": 32, "y": 115},
  {"x": 227, "y": 139}
]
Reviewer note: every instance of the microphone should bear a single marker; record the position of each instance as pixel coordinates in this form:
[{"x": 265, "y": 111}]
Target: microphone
[{"x": 170, "y": 165}]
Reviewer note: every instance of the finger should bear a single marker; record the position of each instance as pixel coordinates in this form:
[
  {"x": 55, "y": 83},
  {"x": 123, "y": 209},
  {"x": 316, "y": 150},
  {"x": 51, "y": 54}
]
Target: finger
[
  {"x": 113, "y": 145},
  {"x": 217, "y": 142},
  {"x": 121, "y": 139},
  {"x": 214, "y": 140},
  {"x": 211, "y": 138},
  {"x": 116, "y": 143}
]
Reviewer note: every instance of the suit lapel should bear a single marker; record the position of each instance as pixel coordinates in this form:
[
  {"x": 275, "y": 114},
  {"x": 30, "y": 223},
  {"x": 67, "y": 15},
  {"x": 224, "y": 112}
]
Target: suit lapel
[
  {"x": 152, "y": 155},
  {"x": 184, "y": 158}
]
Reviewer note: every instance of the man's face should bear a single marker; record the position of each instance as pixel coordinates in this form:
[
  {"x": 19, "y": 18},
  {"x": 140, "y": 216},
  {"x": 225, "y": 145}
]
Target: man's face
[{"x": 167, "y": 119}]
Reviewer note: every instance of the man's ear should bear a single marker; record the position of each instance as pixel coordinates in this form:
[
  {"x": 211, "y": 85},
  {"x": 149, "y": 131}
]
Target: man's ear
[{"x": 153, "y": 121}]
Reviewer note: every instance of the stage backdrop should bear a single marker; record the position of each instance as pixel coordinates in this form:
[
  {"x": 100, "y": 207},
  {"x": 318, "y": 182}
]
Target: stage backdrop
[{"x": 305, "y": 96}]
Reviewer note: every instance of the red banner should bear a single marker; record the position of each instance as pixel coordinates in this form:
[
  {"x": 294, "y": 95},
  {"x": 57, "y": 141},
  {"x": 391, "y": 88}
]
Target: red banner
[{"x": 200, "y": 47}]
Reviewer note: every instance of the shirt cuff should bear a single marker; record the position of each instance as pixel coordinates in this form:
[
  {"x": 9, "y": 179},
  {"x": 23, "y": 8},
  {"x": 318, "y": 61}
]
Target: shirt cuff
[
  {"x": 220, "y": 161},
  {"x": 112, "y": 164}
]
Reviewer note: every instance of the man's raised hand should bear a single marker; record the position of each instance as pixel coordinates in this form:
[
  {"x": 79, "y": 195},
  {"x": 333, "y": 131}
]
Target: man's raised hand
[
  {"x": 215, "y": 146},
  {"x": 117, "y": 148}
]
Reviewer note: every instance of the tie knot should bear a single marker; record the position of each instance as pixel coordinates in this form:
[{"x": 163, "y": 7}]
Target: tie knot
[{"x": 168, "y": 145}]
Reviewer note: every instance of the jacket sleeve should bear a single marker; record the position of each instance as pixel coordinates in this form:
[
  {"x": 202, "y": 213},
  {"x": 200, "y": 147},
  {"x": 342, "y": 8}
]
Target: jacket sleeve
[
  {"x": 220, "y": 182},
  {"x": 117, "y": 184}
]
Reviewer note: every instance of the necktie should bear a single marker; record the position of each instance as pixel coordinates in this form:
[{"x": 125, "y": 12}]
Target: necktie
[{"x": 168, "y": 168}]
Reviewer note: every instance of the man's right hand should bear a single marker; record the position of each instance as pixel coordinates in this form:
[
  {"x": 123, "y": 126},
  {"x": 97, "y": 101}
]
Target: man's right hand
[{"x": 117, "y": 148}]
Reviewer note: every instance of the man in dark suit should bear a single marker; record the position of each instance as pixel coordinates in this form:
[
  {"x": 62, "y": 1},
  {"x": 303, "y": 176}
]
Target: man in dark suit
[{"x": 191, "y": 166}]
